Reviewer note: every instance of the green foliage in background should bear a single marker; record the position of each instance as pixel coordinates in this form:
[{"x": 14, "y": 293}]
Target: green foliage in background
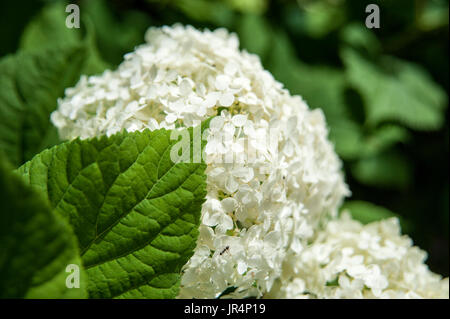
[
  {"x": 384, "y": 92},
  {"x": 30, "y": 84}
]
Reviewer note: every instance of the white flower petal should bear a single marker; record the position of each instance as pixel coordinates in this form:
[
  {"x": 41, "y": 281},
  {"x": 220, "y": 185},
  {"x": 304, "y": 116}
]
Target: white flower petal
[{"x": 226, "y": 99}]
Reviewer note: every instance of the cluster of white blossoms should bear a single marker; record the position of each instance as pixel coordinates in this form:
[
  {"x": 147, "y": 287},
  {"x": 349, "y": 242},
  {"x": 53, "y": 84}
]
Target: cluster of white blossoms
[
  {"x": 269, "y": 225},
  {"x": 351, "y": 260}
]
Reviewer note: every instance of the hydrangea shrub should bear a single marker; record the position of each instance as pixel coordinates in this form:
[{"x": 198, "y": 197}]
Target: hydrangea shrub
[{"x": 270, "y": 224}]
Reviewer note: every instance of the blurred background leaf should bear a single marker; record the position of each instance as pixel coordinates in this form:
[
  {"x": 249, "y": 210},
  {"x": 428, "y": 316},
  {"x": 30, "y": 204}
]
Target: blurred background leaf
[
  {"x": 115, "y": 34},
  {"x": 44, "y": 31},
  {"x": 406, "y": 95},
  {"x": 366, "y": 213},
  {"x": 389, "y": 170},
  {"x": 30, "y": 83}
]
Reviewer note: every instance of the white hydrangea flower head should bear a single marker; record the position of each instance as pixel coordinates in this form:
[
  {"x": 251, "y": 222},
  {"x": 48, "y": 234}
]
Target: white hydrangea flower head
[
  {"x": 351, "y": 260},
  {"x": 262, "y": 211}
]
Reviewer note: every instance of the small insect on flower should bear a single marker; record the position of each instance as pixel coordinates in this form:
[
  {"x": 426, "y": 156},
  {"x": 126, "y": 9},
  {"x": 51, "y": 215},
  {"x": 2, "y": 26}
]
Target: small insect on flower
[{"x": 226, "y": 249}]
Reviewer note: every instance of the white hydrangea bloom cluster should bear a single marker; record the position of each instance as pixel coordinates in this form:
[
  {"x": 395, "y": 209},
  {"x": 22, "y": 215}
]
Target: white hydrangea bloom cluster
[
  {"x": 262, "y": 212},
  {"x": 351, "y": 260}
]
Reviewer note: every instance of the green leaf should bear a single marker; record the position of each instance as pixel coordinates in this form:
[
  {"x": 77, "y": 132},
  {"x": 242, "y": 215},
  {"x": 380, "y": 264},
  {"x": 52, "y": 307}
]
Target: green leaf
[
  {"x": 30, "y": 84},
  {"x": 115, "y": 34},
  {"x": 36, "y": 244},
  {"x": 213, "y": 11},
  {"x": 384, "y": 138},
  {"x": 321, "y": 17},
  {"x": 254, "y": 34},
  {"x": 351, "y": 143},
  {"x": 134, "y": 211},
  {"x": 48, "y": 30},
  {"x": 358, "y": 35},
  {"x": 407, "y": 94},
  {"x": 347, "y": 138},
  {"x": 390, "y": 170},
  {"x": 434, "y": 15},
  {"x": 366, "y": 212},
  {"x": 249, "y": 6},
  {"x": 321, "y": 86}
]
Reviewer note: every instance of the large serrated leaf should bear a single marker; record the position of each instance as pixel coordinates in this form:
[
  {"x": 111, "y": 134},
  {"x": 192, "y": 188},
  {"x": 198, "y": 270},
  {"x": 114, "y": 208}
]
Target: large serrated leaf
[
  {"x": 36, "y": 245},
  {"x": 134, "y": 211},
  {"x": 30, "y": 84}
]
